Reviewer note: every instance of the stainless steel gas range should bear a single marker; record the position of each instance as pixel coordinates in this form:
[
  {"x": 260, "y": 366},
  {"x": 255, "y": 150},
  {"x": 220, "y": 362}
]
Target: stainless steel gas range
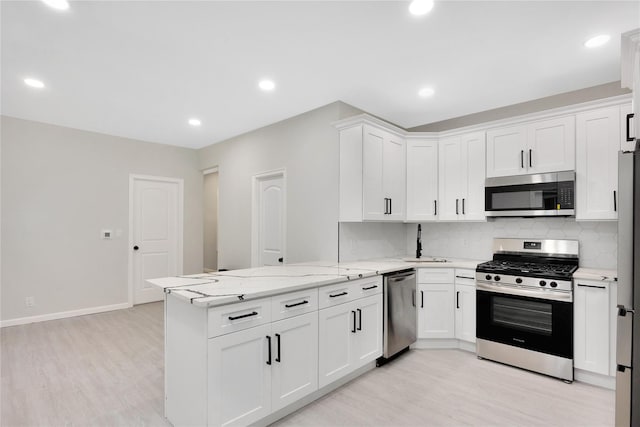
[{"x": 524, "y": 305}]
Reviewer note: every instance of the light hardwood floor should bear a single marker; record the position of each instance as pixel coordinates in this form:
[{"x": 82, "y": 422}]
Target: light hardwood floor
[{"x": 107, "y": 369}]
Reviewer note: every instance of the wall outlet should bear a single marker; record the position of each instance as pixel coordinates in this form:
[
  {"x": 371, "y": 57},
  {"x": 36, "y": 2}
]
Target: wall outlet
[
  {"x": 29, "y": 301},
  {"x": 106, "y": 234}
]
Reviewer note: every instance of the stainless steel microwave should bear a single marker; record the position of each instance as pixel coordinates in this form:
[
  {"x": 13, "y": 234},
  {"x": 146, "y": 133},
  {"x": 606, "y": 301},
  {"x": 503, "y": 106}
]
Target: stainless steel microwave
[{"x": 546, "y": 194}]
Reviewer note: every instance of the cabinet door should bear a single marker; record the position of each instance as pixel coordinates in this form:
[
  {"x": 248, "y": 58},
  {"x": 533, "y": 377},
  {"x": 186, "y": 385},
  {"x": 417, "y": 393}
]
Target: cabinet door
[
  {"x": 624, "y": 144},
  {"x": 473, "y": 161},
  {"x": 336, "y": 325},
  {"x": 394, "y": 176},
  {"x": 505, "y": 151},
  {"x": 295, "y": 359},
  {"x": 373, "y": 198},
  {"x": 239, "y": 377},
  {"x": 551, "y": 145},
  {"x": 422, "y": 180},
  {"x": 591, "y": 326},
  {"x": 450, "y": 179},
  {"x": 465, "y": 324},
  {"x": 368, "y": 337},
  {"x": 597, "y": 145},
  {"x": 435, "y": 311}
]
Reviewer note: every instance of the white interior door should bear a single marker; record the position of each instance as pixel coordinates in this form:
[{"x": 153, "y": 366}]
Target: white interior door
[
  {"x": 156, "y": 234},
  {"x": 269, "y": 220}
]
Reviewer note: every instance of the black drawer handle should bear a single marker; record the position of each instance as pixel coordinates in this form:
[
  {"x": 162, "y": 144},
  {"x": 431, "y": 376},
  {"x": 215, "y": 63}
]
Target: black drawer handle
[
  {"x": 338, "y": 295},
  {"x": 369, "y": 288},
  {"x": 255, "y": 313},
  {"x": 269, "y": 350},
  {"x": 591, "y": 286},
  {"x": 629, "y": 117},
  {"x": 354, "y": 321},
  {"x": 296, "y": 304},
  {"x": 278, "y": 345},
  {"x": 465, "y": 277}
]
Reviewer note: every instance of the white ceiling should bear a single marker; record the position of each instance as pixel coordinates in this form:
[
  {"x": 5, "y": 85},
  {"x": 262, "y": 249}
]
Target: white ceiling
[{"x": 140, "y": 69}]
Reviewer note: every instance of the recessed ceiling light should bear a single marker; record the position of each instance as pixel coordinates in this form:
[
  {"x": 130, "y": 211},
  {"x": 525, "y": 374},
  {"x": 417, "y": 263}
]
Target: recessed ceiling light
[
  {"x": 195, "y": 122},
  {"x": 34, "y": 83},
  {"x": 57, "y": 4},
  {"x": 267, "y": 85},
  {"x": 420, "y": 7},
  {"x": 425, "y": 92},
  {"x": 597, "y": 40}
]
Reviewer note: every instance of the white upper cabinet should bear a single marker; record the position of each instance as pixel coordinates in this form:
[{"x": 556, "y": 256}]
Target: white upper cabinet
[
  {"x": 597, "y": 145},
  {"x": 372, "y": 174},
  {"x": 628, "y": 129},
  {"x": 630, "y": 74},
  {"x": 538, "y": 147},
  {"x": 461, "y": 167},
  {"x": 422, "y": 179}
]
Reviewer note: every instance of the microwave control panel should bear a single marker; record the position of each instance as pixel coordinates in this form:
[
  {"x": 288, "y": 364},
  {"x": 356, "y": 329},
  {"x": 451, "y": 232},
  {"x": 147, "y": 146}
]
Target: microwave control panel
[{"x": 566, "y": 195}]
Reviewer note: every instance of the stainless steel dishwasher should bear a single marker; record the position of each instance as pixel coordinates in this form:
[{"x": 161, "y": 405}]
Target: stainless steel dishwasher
[{"x": 399, "y": 315}]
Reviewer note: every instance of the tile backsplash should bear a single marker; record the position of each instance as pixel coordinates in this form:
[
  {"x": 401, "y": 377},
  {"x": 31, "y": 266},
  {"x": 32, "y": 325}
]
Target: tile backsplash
[{"x": 598, "y": 239}]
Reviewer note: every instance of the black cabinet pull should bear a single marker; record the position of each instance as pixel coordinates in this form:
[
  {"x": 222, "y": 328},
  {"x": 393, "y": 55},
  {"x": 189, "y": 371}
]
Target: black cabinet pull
[
  {"x": 296, "y": 304},
  {"x": 629, "y": 117},
  {"x": 530, "y": 161},
  {"x": 136, "y": 247},
  {"x": 369, "y": 288},
  {"x": 280, "y": 259},
  {"x": 435, "y": 207},
  {"x": 255, "y": 313},
  {"x": 465, "y": 277},
  {"x": 462, "y": 206},
  {"x": 269, "y": 350},
  {"x": 615, "y": 202},
  {"x": 421, "y": 299},
  {"x": 338, "y": 295},
  {"x": 354, "y": 321},
  {"x": 278, "y": 346},
  {"x": 390, "y": 206},
  {"x": 359, "y": 319},
  {"x": 457, "y": 207},
  {"x": 591, "y": 286},
  {"x": 458, "y": 299},
  {"x": 522, "y": 159}
]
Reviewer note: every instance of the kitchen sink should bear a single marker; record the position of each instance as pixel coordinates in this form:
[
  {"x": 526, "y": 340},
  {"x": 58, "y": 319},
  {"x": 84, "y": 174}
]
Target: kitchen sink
[{"x": 425, "y": 259}]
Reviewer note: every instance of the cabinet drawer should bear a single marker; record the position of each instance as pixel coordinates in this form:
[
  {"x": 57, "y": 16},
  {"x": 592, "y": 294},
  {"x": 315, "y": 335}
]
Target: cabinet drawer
[
  {"x": 294, "y": 304},
  {"x": 365, "y": 287},
  {"x": 236, "y": 317},
  {"x": 465, "y": 277},
  {"x": 339, "y": 293},
  {"x": 435, "y": 275}
]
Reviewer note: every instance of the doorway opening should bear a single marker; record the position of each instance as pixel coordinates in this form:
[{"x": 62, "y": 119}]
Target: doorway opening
[{"x": 210, "y": 217}]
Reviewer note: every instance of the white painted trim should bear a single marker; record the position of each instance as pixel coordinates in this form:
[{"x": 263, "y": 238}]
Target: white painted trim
[
  {"x": 374, "y": 121},
  {"x": 63, "y": 314},
  {"x": 210, "y": 170},
  {"x": 255, "y": 214},
  {"x": 592, "y": 378},
  {"x": 180, "y": 219}
]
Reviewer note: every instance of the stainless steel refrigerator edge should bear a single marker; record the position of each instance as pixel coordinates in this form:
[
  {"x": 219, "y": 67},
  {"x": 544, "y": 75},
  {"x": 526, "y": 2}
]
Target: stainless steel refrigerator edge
[
  {"x": 399, "y": 317},
  {"x": 628, "y": 330}
]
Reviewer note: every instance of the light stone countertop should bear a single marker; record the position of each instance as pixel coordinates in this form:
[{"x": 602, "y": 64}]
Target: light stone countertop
[
  {"x": 596, "y": 274},
  {"x": 220, "y": 288}
]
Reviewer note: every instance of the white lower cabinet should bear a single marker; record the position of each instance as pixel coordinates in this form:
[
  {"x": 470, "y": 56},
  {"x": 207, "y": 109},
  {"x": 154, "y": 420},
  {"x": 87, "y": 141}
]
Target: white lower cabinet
[
  {"x": 350, "y": 336},
  {"x": 262, "y": 369},
  {"x": 594, "y": 326},
  {"x": 466, "y": 312},
  {"x": 435, "y": 314}
]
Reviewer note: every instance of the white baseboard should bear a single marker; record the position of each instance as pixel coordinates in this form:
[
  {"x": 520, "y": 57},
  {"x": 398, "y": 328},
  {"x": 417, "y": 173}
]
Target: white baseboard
[
  {"x": 63, "y": 314},
  {"x": 443, "y": 343},
  {"x": 592, "y": 378}
]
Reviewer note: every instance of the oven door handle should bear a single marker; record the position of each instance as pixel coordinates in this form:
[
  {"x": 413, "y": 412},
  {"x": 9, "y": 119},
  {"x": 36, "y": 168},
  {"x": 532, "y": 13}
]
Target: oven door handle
[{"x": 512, "y": 290}]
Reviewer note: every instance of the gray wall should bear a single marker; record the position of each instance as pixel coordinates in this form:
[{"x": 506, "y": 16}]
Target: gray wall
[
  {"x": 533, "y": 106},
  {"x": 307, "y": 147},
  {"x": 60, "y": 187},
  {"x": 210, "y": 213}
]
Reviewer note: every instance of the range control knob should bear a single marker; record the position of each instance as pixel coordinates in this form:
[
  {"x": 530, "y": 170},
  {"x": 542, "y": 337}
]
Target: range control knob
[
  {"x": 488, "y": 277},
  {"x": 543, "y": 283},
  {"x": 496, "y": 278},
  {"x": 518, "y": 280},
  {"x": 553, "y": 284}
]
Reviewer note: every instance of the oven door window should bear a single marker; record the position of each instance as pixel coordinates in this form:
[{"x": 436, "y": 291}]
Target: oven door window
[{"x": 531, "y": 323}]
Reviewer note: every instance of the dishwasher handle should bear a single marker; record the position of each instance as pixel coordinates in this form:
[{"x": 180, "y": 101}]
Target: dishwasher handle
[{"x": 401, "y": 277}]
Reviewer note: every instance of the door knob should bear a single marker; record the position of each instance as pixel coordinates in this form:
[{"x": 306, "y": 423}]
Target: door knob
[{"x": 135, "y": 248}]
